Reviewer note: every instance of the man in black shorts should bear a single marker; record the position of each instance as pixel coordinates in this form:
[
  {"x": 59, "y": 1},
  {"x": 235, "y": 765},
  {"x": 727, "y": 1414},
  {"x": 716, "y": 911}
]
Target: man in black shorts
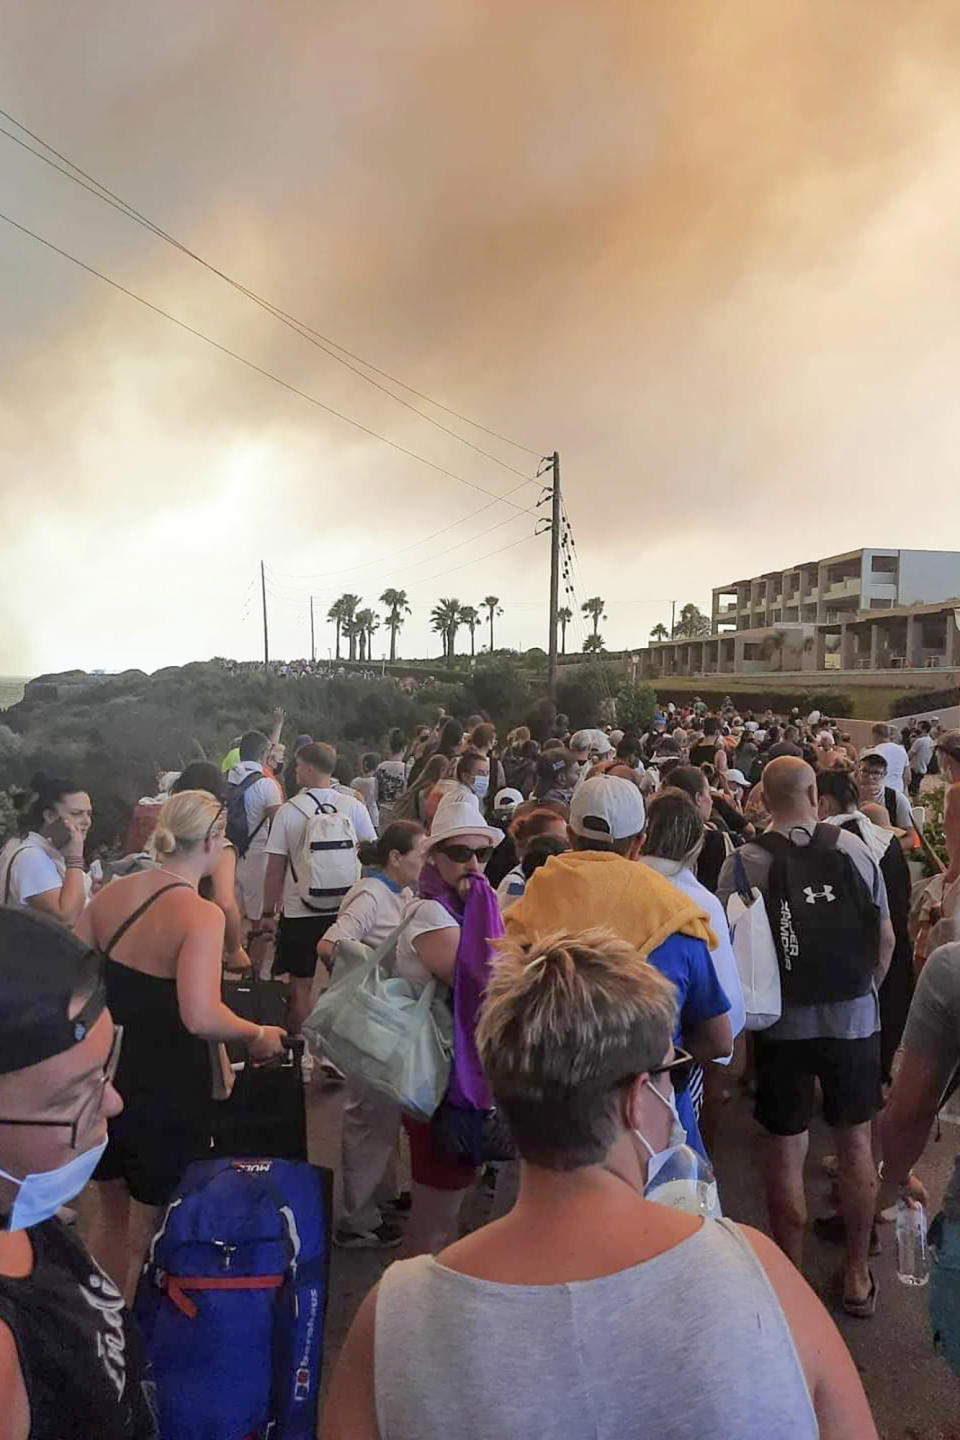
[
  {"x": 69, "y": 1360},
  {"x": 302, "y": 926},
  {"x": 836, "y": 1042}
]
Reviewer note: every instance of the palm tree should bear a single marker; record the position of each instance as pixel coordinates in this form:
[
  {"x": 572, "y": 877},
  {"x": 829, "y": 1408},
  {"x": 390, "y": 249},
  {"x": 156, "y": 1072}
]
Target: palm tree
[
  {"x": 342, "y": 612},
  {"x": 397, "y": 608},
  {"x": 594, "y": 608},
  {"x": 365, "y": 622},
  {"x": 564, "y": 616},
  {"x": 491, "y": 603},
  {"x": 445, "y": 618},
  {"x": 338, "y": 615},
  {"x": 659, "y": 632},
  {"x": 353, "y": 634},
  {"x": 593, "y": 645},
  {"x": 471, "y": 618}
]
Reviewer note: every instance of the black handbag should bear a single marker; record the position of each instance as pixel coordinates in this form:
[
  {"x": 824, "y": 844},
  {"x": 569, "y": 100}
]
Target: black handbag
[{"x": 475, "y": 1136}]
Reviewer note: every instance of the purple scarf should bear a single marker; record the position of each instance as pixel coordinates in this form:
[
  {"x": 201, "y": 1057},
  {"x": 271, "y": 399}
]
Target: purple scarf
[{"x": 478, "y": 916}]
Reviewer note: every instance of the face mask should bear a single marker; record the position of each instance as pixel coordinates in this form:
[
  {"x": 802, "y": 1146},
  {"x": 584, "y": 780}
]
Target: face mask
[
  {"x": 480, "y": 786},
  {"x": 41, "y": 1196},
  {"x": 677, "y": 1176}
]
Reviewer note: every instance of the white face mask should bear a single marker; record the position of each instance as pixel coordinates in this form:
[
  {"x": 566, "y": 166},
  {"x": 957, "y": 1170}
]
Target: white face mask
[
  {"x": 481, "y": 784},
  {"x": 40, "y": 1196},
  {"x": 677, "y": 1176}
]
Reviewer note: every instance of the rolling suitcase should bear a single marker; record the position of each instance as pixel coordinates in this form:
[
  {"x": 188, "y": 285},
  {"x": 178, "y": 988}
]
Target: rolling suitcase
[
  {"x": 266, "y": 1114},
  {"x": 232, "y": 1301}
]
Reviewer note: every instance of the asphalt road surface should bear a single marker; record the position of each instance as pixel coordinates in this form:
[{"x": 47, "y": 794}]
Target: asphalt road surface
[{"x": 913, "y": 1394}]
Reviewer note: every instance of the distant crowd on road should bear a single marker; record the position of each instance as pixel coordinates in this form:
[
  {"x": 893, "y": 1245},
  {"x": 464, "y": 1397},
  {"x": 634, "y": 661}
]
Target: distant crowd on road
[{"x": 575, "y": 904}]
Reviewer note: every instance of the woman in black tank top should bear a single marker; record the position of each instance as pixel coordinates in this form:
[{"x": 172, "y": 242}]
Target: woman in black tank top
[{"x": 163, "y": 946}]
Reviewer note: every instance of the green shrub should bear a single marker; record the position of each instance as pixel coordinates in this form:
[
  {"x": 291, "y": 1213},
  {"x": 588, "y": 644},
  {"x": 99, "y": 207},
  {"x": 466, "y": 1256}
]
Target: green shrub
[{"x": 636, "y": 707}]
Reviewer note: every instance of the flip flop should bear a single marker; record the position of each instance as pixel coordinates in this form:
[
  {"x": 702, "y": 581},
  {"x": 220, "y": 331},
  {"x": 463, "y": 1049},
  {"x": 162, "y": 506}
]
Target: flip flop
[{"x": 864, "y": 1309}]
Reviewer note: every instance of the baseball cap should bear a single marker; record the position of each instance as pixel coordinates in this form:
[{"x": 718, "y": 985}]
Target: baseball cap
[
  {"x": 43, "y": 969},
  {"x": 507, "y": 799},
  {"x": 737, "y": 777},
  {"x": 606, "y": 807}
]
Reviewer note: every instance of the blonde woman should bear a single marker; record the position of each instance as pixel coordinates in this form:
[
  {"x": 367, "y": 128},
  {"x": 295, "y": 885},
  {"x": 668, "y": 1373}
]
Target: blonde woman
[
  {"x": 584, "y": 1310},
  {"x": 163, "y": 946}
]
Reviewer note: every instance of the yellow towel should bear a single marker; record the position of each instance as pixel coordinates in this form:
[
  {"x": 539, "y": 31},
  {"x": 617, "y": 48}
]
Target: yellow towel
[{"x": 585, "y": 888}]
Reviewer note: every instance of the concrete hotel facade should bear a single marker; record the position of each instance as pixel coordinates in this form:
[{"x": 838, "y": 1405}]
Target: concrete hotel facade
[{"x": 865, "y": 610}]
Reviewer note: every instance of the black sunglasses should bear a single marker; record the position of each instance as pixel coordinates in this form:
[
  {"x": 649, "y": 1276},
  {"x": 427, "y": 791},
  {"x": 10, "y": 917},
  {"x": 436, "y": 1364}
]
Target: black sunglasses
[
  {"x": 463, "y": 854},
  {"x": 680, "y": 1069},
  {"x": 213, "y": 822},
  {"x": 93, "y": 1104}
]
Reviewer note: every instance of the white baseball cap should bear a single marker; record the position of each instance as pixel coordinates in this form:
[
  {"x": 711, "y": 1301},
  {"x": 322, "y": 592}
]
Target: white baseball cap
[
  {"x": 606, "y": 807},
  {"x": 737, "y": 777},
  {"x": 507, "y": 799}
]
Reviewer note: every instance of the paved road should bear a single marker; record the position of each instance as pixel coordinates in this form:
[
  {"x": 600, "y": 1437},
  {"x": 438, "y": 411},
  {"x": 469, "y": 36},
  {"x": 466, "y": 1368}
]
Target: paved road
[{"x": 913, "y": 1394}]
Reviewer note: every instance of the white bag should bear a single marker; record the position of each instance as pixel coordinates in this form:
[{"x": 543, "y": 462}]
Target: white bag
[
  {"x": 755, "y": 953},
  {"x": 384, "y": 1033},
  {"x": 328, "y": 864}
]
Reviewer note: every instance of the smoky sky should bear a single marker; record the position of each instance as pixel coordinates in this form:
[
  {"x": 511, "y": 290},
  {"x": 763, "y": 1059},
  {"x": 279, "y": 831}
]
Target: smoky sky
[{"x": 704, "y": 250}]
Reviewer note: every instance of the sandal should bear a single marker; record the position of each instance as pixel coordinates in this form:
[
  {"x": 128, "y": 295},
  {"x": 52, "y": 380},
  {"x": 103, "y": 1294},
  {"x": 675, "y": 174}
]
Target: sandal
[{"x": 864, "y": 1309}]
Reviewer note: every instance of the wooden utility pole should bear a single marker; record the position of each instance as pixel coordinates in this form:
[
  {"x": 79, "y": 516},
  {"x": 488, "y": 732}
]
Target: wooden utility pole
[
  {"x": 554, "y": 576},
  {"x": 313, "y": 647},
  {"x": 263, "y": 592}
]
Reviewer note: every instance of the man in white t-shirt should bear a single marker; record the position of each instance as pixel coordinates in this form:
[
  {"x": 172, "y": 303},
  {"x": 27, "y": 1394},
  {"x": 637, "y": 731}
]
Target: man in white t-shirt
[
  {"x": 895, "y": 756},
  {"x": 920, "y": 754},
  {"x": 262, "y": 798},
  {"x": 302, "y": 926}
]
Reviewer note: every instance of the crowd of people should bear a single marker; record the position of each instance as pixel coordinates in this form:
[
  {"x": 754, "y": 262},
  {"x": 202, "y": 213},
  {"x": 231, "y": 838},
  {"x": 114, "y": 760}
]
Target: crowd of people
[{"x": 568, "y": 898}]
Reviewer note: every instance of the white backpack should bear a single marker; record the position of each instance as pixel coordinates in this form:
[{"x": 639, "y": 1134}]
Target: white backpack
[{"x": 328, "y": 864}]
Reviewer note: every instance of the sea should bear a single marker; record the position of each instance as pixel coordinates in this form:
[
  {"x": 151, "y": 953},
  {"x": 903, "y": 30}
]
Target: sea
[{"x": 11, "y": 689}]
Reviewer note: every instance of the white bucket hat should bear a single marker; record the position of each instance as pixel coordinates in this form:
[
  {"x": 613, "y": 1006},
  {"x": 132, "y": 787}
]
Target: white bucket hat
[{"x": 460, "y": 817}]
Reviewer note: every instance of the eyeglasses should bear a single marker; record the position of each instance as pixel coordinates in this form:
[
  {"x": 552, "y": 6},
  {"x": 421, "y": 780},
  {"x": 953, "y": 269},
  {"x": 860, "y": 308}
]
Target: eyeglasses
[
  {"x": 463, "y": 854},
  {"x": 680, "y": 1069},
  {"x": 93, "y": 1104}
]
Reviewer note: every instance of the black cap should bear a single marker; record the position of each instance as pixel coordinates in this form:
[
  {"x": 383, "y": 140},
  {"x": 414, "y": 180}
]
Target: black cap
[{"x": 43, "y": 969}]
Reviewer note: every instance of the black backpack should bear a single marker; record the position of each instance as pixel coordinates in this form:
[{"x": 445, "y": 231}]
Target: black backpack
[
  {"x": 825, "y": 924},
  {"x": 238, "y": 832}
]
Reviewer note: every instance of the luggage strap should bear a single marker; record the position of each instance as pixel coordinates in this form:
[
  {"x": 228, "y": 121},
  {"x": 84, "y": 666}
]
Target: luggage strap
[{"x": 176, "y": 1285}]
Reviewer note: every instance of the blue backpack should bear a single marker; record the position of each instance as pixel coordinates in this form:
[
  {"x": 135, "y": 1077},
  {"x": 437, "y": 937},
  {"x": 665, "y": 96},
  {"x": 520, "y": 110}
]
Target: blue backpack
[{"x": 232, "y": 1301}]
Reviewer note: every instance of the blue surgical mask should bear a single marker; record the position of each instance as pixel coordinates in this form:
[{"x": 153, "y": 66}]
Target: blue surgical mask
[
  {"x": 481, "y": 784},
  {"x": 41, "y": 1196}
]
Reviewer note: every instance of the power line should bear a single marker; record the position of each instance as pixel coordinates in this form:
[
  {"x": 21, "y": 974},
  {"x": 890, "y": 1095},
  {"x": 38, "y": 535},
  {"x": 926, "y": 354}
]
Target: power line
[
  {"x": 387, "y": 559},
  {"x": 252, "y": 365},
  {"x": 307, "y": 332}
]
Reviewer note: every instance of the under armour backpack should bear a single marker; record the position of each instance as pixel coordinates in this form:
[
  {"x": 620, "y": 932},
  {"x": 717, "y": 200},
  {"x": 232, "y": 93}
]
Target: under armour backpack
[
  {"x": 825, "y": 924},
  {"x": 238, "y": 825},
  {"x": 328, "y": 863}
]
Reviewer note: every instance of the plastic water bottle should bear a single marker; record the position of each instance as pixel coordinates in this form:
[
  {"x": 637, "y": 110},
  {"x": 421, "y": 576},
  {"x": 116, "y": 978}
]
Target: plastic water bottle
[
  {"x": 913, "y": 1262},
  {"x": 685, "y": 1181}
]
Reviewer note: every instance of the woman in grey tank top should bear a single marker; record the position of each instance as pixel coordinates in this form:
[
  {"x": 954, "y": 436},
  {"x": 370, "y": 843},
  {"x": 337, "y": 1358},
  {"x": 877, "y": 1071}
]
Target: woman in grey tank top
[{"x": 589, "y": 1310}]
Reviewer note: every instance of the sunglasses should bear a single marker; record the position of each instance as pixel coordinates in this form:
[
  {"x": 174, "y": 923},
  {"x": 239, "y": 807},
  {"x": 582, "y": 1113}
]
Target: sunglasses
[
  {"x": 680, "y": 1069},
  {"x": 91, "y": 1107},
  {"x": 463, "y": 854},
  {"x": 209, "y": 835}
]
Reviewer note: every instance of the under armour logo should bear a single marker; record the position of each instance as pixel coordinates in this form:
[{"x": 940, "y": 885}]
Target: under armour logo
[{"x": 814, "y": 895}]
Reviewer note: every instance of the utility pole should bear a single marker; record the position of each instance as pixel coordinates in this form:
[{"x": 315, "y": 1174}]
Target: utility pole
[
  {"x": 554, "y": 576},
  {"x": 263, "y": 592},
  {"x": 673, "y": 618},
  {"x": 313, "y": 647}
]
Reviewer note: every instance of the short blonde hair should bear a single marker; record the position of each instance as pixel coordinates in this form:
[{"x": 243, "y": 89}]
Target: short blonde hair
[
  {"x": 184, "y": 821},
  {"x": 566, "y": 1021}
]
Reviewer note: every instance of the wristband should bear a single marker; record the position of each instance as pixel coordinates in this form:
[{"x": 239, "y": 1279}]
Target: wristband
[{"x": 74, "y": 864}]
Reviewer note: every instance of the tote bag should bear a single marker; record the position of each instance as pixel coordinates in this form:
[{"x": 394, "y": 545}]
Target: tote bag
[
  {"x": 755, "y": 952},
  {"x": 386, "y": 1034}
]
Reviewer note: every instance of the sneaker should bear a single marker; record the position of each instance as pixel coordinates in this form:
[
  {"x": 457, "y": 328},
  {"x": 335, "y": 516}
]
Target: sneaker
[
  {"x": 385, "y": 1237},
  {"x": 329, "y": 1073}
]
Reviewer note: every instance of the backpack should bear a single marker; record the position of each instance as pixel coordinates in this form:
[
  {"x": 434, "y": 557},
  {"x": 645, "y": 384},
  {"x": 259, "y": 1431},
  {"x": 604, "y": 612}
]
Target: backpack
[
  {"x": 238, "y": 826},
  {"x": 824, "y": 922},
  {"x": 232, "y": 1300},
  {"x": 890, "y": 801},
  {"x": 328, "y": 860}
]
